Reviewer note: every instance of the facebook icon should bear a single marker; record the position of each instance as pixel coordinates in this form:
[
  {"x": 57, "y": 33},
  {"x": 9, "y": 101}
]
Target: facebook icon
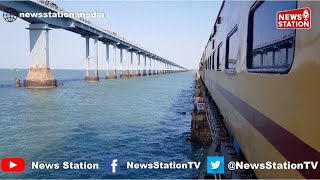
[{"x": 112, "y": 165}]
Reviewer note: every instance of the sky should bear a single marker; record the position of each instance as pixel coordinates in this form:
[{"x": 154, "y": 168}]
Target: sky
[{"x": 175, "y": 30}]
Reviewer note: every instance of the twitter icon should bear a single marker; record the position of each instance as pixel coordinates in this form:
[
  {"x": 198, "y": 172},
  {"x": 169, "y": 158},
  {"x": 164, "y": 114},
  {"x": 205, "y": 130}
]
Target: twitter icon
[{"x": 215, "y": 164}]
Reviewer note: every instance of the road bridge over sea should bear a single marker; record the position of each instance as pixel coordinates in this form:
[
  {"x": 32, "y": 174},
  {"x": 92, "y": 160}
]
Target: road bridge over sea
[{"x": 40, "y": 76}]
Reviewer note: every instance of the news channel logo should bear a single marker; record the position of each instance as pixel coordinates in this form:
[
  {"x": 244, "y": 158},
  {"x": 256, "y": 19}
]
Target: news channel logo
[
  {"x": 10, "y": 15},
  {"x": 215, "y": 164},
  {"x": 112, "y": 165}
]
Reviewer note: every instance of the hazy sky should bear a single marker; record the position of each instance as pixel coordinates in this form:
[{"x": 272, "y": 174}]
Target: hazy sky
[{"x": 176, "y": 30}]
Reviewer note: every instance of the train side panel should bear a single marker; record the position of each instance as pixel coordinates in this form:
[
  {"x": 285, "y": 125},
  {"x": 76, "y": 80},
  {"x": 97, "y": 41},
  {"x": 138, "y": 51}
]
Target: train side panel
[{"x": 274, "y": 117}]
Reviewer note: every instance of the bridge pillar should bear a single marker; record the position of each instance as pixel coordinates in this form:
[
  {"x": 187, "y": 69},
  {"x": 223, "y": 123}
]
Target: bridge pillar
[
  {"x": 121, "y": 61},
  {"x": 135, "y": 70},
  {"x": 261, "y": 59},
  {"x": 96, "y": 73},
  {"x": 129, "y": 59},
  {"x": 162, "y": 68},
  {"x": 122, "y": 74},
  {"x": 167, "y": 69},
  {"x": 115, "y": 63},
  {"x": 154, "y": 67},
  {"x": 110, "y": 76},
  {"x": 138, "y": 68},
  {"x": 107, "y": 60},
  {"x": 130, "y": 65},
  {"x": 150, "y": 59},
  {"x": 158, "y": 67},
  {"x": 94, "y": 78},
  {"x": 87, "y": 58},
  {"x": 39, "y": 75},
  {"x": 132, "y": 74},
  {"x": 144, "y": 73}
]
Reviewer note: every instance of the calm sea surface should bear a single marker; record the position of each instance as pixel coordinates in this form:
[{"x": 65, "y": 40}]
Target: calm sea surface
[{"x": 138, "y": 119}]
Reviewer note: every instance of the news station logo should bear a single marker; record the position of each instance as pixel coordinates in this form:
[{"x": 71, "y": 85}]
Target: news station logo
[
  {"x": 13, "y": 164},
  {"x": 112, "y": 165},
  {"x": 10, "y": 14},
  {"x": 294, "y": 19}
]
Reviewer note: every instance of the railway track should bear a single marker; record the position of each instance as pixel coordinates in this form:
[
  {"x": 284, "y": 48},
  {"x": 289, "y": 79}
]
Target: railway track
[{"x": 222, "y": 143}]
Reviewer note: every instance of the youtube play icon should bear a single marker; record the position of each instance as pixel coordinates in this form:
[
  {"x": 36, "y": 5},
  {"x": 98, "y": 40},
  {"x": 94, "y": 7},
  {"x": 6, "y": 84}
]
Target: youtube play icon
[{"x": 13, "y": 164}]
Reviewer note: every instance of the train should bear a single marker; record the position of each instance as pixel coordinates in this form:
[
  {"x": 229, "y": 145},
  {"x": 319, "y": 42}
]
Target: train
[{"x": 265, "y": 82}]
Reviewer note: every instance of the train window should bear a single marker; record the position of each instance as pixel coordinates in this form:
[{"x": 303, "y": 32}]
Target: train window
[
  {"x": 270, "y": 50},
  {"x": 232, "y": 49},
  {"x": 212, "y": 61},
  {"x": 205, "y": 64},
  {"x": 219, "y": 57},
  {"x": 212, "y": 44}
]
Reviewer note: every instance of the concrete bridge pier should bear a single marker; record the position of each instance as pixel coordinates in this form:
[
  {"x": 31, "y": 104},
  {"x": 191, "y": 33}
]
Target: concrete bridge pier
[
  {"x": 134, "y": 72},
  {"x": 127, "y": 72},
  {"x": 39, "y": 75},
  {"x": 122, "y": 73},
  {"x": 154, "y": 67},
  {"x": 150, "y": 59},
  {"x": 164, "y": 68},
  {"x": 110, "y": 76},
  {"x": 90, "y": 78},
  {"x": 138, "y": 66},
  {"x": 121, "y": 62},
  {"x": 107, "y": 60},
  {"x": 130, "y": 65},
  {"x": 144, "y": 73}
]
